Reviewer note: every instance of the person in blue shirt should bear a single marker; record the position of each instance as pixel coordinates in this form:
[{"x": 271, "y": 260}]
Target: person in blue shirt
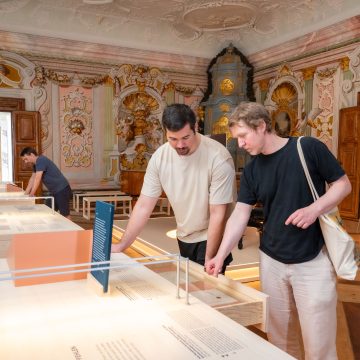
[{"x": 46, "y": 171}]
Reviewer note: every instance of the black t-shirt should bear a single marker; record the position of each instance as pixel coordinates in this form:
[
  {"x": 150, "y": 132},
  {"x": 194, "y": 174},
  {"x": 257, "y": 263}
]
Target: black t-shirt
[{"x": 278, "y": 182}]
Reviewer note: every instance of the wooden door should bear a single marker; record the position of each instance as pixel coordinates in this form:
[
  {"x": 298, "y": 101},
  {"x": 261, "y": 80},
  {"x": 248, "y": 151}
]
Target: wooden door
[
  {"x": 132, "y": 181},
  {"x": 26, "y": 132},
  {"x": 349, "y": 157}
]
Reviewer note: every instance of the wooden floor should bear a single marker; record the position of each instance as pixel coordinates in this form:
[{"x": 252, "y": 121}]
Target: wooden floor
[{"x": 348, "y": 338}]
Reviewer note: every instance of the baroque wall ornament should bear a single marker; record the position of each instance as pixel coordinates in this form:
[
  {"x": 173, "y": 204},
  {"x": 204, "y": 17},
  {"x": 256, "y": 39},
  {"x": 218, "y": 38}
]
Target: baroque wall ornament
[
  {"x": 280, "y": 94},
  {"x": 128, "y": 75},
  {"x": 9, "y": 76},
  {"x": 354, "y": 64},
  {"x": 44, "y": 107},
  {"x": 324, "y": 122},
  {"x": 350, "y": 87},
  {"x": 42, "y": 75},
  {"x": 184, "y": 90},
  {"x": 325, "y": 73},
  {"x": 284, "y": 118},
  {"x": 137, "y": 108},
  {"x": 17, "y": 72},
  {"x": 76, "y": 126},
  {"x": 24, "y": 75}
]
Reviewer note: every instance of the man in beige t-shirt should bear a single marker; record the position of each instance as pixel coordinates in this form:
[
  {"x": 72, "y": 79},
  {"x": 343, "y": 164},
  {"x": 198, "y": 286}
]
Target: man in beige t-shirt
[{"x": 197, "y": 174}]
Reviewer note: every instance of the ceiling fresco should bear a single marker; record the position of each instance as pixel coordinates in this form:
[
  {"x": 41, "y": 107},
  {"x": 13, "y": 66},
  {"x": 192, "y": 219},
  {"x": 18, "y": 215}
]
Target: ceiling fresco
[{"x": 190, "y": 27}]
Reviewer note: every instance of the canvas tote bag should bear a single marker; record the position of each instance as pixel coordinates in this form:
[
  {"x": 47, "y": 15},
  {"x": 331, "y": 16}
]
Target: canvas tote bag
[{"x": 339, "y": 243}]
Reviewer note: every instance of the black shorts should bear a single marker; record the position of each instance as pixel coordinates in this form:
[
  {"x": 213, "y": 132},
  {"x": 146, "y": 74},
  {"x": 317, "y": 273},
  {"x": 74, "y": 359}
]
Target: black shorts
[
  {"x": 62, "y": 201},
  {"x": 196, "y": 252}
]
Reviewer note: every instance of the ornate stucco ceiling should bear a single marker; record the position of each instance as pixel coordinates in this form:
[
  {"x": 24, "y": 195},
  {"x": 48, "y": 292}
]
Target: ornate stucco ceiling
[{"x": 190, "y": 27}]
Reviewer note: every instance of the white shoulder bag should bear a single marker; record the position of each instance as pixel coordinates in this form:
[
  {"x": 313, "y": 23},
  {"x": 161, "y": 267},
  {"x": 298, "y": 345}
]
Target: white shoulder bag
[{"x": 339, "y": 243}]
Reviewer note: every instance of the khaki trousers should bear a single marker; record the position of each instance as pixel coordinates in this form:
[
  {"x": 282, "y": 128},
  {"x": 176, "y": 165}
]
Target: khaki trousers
[{"x": 305, "y": 292}]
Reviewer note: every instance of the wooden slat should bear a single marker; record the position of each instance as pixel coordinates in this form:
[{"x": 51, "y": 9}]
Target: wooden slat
[
  {"x": 348, "y": 292},
  {"x": 343, "y": 341}
]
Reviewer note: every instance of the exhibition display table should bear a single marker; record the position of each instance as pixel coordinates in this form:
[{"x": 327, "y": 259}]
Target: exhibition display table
[
  {"x": 243, "y": 304},
  {"x": 159, "y": 237},
  {"x": 140, "y": 318}
]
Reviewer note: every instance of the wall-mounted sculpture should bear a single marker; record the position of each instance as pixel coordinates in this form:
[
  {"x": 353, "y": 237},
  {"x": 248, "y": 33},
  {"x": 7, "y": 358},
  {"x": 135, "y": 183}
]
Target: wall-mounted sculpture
[{"x": 137, "y": 109}]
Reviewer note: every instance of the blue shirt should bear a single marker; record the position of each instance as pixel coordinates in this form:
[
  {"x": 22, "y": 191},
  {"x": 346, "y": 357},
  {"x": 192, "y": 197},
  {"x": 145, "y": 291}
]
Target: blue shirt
[{"x": 52, "y": 177}]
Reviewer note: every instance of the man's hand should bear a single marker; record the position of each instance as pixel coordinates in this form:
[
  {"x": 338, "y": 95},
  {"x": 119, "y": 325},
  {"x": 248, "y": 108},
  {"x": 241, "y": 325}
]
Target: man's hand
[
  {"x": 214, "y": 266},
  {"x": 302, "y": 218},
  {"x": 117, "y": 248}
]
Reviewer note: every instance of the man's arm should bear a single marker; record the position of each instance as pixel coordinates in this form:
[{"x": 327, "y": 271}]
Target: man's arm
[
  {"x": 337, "y": 191},
  {"x": 215, "y": 229},
  {"x": 234, "y": 229},
  {"x": 139, "y": 217},
  {"x": 36, "y": 183},
  {"x": 30, "y": 184}
]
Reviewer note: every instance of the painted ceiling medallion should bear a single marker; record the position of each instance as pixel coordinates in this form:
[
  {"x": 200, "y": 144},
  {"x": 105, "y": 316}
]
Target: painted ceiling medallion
[{"x": 224, "y": 15}]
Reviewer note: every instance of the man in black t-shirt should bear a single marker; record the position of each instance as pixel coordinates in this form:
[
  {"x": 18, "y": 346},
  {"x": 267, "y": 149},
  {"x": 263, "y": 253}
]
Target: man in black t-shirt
[
  {"x": 295, "y": 270},
  {"x": 46, "y": 171}
]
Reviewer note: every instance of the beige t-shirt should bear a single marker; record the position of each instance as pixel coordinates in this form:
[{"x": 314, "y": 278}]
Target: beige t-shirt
[{"x": 191, "y": 183}]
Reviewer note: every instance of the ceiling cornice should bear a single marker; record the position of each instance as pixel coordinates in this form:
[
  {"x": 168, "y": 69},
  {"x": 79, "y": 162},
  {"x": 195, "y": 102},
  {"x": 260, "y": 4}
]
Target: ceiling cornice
[{"x": 72, "y": 50}]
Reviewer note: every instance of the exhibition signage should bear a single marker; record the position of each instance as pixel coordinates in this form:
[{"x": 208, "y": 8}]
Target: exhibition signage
[{"x": 104, "y": 216}]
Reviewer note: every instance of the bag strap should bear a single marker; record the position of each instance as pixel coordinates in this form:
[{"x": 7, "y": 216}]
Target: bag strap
[{"x": 306, "y": 170}]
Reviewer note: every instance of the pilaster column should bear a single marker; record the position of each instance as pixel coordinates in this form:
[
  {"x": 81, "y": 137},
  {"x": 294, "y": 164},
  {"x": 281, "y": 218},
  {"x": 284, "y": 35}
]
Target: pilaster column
[
  {"x": 109, "y": 126},
  {"x": 308, "y": 75},
  {"x": 264, "y": 88},
  {"x": 344, "y": 64},
  {"x": 170, "y": 94}
]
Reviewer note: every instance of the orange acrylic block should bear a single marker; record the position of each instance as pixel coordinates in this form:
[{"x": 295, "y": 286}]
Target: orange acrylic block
[{"x": 36, "y": 250}]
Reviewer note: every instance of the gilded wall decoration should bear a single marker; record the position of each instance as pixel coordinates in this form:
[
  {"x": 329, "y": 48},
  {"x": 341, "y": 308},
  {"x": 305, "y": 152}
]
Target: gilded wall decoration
[
  {"x": 184, "y": 90},
  {"x": 42, "y": 75},
  {"x": 76, "y": 127},
  {"x": 227, "y": 86},
  {"x": 137, "y": 107},
  {"x": 284, "y": 118},
  {"x": 9, "y": 76},
  {"x": 285, "y": 101},
  {"x": 221, "y": 126},
  {"x": 309, "y": 72},
  {"x": 17, "y": 79}
]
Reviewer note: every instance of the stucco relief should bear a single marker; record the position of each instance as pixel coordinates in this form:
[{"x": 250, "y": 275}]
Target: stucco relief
[
  {"x": 12, "y": 5},
  {"x": 137, "y": 108},
  {"x": 21, "y": 79},
  {"x": 43, "y": 105},
  {"x": 354, "y": 64},
  {"x": 326, "y": 82},
  {"x": 326, "y": 102},
  {"x": 76, "y": 127},
  {"x": 285, "y": 99},
  {"x": 350, "y": 87}
]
